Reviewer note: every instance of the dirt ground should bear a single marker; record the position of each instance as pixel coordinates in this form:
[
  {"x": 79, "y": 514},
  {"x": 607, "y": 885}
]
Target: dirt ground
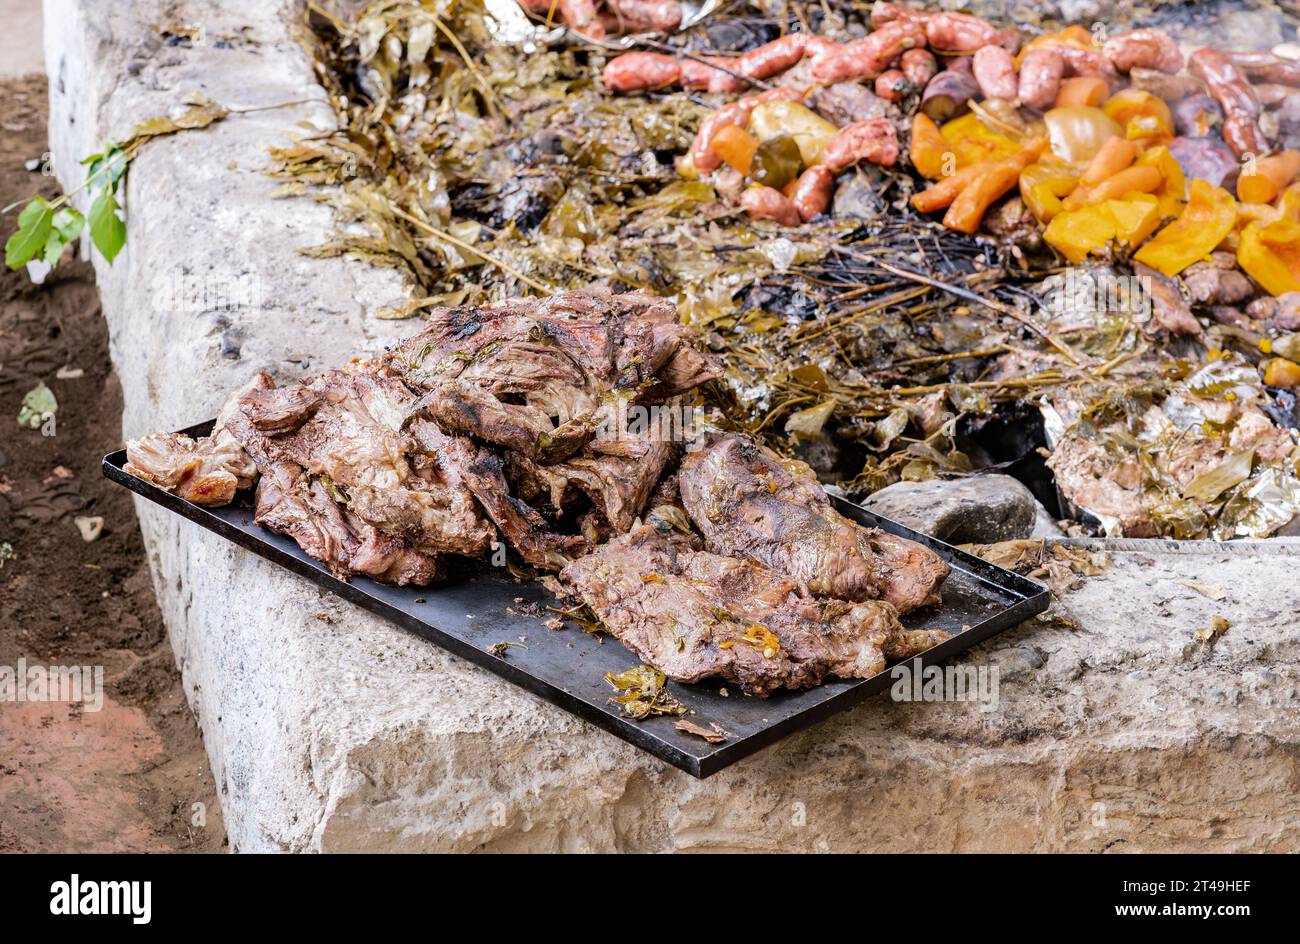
[{"x": 127, "y": 777}]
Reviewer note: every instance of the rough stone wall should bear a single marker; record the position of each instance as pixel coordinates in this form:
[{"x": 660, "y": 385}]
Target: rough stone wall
[{"x": 328, "y": 729}]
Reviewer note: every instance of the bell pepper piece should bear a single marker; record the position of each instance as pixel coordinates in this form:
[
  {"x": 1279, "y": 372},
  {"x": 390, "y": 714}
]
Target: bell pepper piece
[
  {"x": 1136, "y": 217},
  {"x": 1140, "y": 114},
  {"x": 1270, "y": 254},
  {"x": 1042, "y": 185},
  {"x": 736, "y": 147},
  {"x": 1076, "y": 233},
  {"x": 1208, "y": 218},
  {"x": 1173, "y": 191},
  {"x": 972, "y": 141}
]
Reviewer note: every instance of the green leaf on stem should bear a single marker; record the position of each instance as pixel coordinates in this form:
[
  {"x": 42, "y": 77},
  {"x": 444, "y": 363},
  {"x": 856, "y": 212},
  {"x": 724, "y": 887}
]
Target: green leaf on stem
[
  {"x": 34, "y": 225},
  {"x": 107, "y": 231}
]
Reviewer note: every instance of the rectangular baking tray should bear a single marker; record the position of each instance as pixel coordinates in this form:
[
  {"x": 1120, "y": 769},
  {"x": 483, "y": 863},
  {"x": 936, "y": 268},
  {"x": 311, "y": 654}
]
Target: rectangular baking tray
[{"x": 470, "y": 613}]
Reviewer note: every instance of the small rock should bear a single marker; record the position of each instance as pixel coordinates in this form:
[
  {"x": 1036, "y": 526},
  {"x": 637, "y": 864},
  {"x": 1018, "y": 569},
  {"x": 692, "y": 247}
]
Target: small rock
[
  {"x": 90, "y": 526},
  {"x": 978, "y": 509}
]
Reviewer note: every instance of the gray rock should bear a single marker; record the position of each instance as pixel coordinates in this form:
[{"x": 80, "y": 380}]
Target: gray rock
[{"x": 978, "y": 509}]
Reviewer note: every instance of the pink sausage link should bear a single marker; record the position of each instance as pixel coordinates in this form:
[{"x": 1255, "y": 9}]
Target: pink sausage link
[{"x": 873, "y": 140}]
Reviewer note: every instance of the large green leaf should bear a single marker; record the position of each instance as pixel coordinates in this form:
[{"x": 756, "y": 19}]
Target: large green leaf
[
  {"x": 107, "y": 230},
  {"x": 34, "y": 225}
]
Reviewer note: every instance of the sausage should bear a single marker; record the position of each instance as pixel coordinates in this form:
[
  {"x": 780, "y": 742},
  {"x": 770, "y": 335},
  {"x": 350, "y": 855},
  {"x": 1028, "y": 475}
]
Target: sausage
[
  {"x": 920, "y": 66},
  {"x": 812, "y": 191},
  {"x": 892, "y": 85},
  {"x": 642, "y": 70},
  {"x": 1244, "y": 135},
  {"x": 580, "y": 16},
  {"x": 1225, "y": 81},
  {"x": 873, "y": 140},
  {"x": 642, "y": 16},
  {"x": 1237, "y": 97},
  {"x": 959, "y": 32},
  {"x": 1040, "y": 77},
  {"x": 869, "y": 56},
  {"x": 1144, "y": 48},
  {"x": 1085, "y": 62},
  {"x": 1266, "y": 67},
  {"x": 882, "y": 13},
  {"x": 771, "y": 58},
  {"x": 651, "y": 70},
  {"x": 995, "y": 71},
  {"x": 1010, "y": 40},
  {"x": 948, "y": 94},
  {"x": 736, "y": 113},
  {"x": 700, "y": 74},
  {"x": 766, "y": 203}
]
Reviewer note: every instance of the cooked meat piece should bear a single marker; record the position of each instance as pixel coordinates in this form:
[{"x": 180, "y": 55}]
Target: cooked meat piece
[
  {"x": 1217, "y": 281},
  {"x": 746, "y": 500},
  {"x": 695, "y": 615},
  {"x": 347, "y": 424},
  {"x": 206, "y": 472},
  {"x": 350, "y": 427},
  {"x": 526, "y": 530},
  {"x": 617, "y": 486},
  {"x": 298, "y": 505},
  {"x": 536, "y": 375},
  {"x": 1169, "y": 310},
  {"x": 616, "y": 472},
  {"x": 847, "y": 102}
]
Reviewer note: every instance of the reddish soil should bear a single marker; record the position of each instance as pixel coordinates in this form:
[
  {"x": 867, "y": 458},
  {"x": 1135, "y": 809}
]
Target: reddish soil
[{"x": 126, "y": 777}]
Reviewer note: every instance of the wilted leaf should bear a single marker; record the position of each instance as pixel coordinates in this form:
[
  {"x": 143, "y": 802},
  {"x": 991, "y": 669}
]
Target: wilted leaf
[
  {"x": 643, "y": 693},
  {"x": 1206, "y": 590},
  {"x": 809, "y": 422},
  {"x": 712, "y": 735},
  {"x": 885, "y": 431},
  {"x": 1232, "y": 471},
  {"x": 202, "y": 111}
]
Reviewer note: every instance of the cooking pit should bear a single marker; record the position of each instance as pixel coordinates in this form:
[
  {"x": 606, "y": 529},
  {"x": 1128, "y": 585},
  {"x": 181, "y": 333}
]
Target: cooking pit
[{"x": 392, "y": 188}]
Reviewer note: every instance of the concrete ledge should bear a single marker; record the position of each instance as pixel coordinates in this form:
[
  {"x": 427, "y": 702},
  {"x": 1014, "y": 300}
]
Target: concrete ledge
[{"x": 331, "y": 730}]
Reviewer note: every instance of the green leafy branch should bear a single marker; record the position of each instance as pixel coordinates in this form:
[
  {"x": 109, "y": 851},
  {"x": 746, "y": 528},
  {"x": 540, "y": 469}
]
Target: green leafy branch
[{"x": 46, "y": 227}]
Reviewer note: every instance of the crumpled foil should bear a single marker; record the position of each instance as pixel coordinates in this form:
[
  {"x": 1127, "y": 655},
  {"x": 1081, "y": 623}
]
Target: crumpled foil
[{"x": 1260, "y": 505}]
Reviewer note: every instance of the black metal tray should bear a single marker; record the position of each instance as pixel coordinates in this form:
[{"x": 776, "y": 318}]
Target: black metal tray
[{"x": 467, "y": 615}]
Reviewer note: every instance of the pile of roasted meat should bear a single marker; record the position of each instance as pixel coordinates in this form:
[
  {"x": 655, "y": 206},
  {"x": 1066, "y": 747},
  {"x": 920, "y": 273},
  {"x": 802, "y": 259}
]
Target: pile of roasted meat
[{"x": 514, "y": 423}]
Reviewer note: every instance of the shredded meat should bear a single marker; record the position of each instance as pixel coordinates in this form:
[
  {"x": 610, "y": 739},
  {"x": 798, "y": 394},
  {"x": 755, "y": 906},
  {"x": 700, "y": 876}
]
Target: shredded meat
[
  {"x": 537, "y": 376},
  {"x": 696, "y": 615},
  {"x": 747, "y": 500}
]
